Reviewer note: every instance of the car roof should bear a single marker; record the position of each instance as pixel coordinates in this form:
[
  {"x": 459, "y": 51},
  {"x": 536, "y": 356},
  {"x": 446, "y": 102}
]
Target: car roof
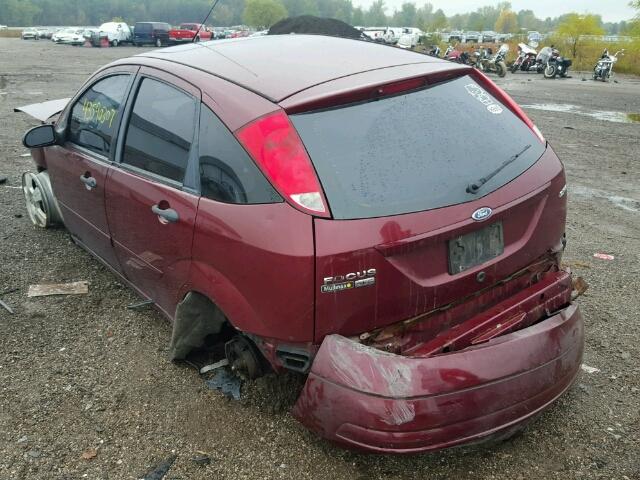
[{"x": 278, "y": 66}]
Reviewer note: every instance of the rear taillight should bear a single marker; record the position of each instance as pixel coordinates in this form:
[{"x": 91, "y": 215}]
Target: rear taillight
[
  {"x": 275, "y": 146},
  {"x": 506, "y": 100}
]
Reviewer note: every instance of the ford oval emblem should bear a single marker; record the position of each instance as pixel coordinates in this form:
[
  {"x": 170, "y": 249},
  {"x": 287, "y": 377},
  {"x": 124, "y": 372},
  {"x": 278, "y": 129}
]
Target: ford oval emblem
[{"x": 482, "y": 214}]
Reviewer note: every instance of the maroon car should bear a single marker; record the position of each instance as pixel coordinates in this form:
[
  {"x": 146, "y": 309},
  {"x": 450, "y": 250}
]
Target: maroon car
[{"x": 388, "y": 223}]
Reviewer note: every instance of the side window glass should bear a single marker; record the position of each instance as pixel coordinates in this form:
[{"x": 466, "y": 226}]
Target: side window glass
[
  {"x": 94, "y": 116},
  {"x": 161, "y": 130},
  {"x": 227, "y": 173}
]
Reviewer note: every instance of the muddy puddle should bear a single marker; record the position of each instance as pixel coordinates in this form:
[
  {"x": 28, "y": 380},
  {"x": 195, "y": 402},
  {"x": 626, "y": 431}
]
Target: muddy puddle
[{"x": 617, "y": 117}]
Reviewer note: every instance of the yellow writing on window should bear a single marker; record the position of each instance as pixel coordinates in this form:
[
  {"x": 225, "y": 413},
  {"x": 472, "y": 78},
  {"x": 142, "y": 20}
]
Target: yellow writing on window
[{"x": 98, "y": 113}]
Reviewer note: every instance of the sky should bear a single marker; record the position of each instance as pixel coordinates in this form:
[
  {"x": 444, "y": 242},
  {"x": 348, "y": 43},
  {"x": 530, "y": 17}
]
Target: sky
[{"x": 611, "y": 10}]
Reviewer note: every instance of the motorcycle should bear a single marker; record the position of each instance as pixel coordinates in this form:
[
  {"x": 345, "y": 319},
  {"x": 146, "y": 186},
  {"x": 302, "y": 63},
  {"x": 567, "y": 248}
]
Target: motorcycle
[
  {"x": 434, "y": 52},
  {"x": 454, "y": 55},
  {"x": 487, "y": 62},
  {"x": 604, "y": 68},
  {"x": 556, "y": 64},
  {"x": 527, "y": 60}
]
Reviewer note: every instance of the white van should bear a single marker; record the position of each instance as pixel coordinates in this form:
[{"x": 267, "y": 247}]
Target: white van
[{"x": 116, "y": 32}]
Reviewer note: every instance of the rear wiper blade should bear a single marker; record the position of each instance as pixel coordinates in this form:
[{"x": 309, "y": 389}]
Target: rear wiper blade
[{"x": 477, "y": 185}]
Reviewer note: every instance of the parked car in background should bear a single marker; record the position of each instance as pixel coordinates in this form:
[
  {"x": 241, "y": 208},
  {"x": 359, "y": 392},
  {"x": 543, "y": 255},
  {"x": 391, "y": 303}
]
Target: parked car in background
[
  {"x": 219, "y": 33},
  {"x": 69, "y": 36},
  {"x": 117, "y": 33},
  {"x": 241, "y": 33},
  {"x": 189, "y": 32},
  {"x": 472, "y": 37},
  {"x": 30, "y": 34},
  {"x": 533, "y": 37},
  {"x": 151, "y": 33},
  {"x": 275, "y": 200},
  {"x": 3, "y": 27},
  {"x": 455, "y": 36},
  {"x": 408, "y": 40},
  {"x": 488, "y": 36}
]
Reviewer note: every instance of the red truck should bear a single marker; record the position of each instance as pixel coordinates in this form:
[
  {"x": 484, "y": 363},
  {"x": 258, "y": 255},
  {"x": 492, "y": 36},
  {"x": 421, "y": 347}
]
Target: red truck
[{"x": 186, "y": 31}]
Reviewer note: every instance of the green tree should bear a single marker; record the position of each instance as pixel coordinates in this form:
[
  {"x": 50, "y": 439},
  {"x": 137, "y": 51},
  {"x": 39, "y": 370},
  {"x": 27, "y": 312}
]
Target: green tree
[
  {"x": 507, "y": 22},
  {"x": 406, "y": 16},
  {"x": 576, "y": 26},
  {"x": 357, "y": 17},
  {"x": 439, "y": 21},
  {"x": 301, "y": 7},
  {"x": 263, "y": 13},
  {"x": 375, "y": 16}
]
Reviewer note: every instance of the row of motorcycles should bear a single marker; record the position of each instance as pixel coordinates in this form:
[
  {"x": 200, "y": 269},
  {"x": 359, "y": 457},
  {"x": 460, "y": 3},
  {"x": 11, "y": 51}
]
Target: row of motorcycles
[{"x": 547, "y": 61}]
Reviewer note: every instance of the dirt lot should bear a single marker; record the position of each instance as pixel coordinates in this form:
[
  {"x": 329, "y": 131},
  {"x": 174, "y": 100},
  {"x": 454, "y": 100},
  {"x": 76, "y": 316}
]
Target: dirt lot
[{"x": 83, "y": 372}]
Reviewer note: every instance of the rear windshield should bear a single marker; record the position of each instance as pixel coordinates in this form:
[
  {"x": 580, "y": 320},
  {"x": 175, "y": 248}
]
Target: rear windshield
[{"x": 415, "y": 151}]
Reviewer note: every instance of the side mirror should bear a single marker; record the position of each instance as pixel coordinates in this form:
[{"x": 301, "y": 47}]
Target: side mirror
[{"x": 40, "y": 136}]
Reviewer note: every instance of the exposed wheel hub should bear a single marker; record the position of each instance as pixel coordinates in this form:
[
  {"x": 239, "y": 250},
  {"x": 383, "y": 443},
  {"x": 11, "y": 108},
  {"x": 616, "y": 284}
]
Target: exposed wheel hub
[{"x": 244, "y": 357}]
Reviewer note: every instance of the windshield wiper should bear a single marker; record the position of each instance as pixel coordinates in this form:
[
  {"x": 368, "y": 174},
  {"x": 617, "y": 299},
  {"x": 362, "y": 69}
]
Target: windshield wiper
[{"x": 477, "y": 185}]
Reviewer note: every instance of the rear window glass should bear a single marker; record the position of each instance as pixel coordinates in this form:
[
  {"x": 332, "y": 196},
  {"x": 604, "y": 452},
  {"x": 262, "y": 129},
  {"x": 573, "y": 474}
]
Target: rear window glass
[{"x": 416, "y": 151}]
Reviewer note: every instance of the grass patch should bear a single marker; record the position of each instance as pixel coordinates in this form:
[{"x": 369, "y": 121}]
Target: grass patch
[{"x": 10, "y": 33}]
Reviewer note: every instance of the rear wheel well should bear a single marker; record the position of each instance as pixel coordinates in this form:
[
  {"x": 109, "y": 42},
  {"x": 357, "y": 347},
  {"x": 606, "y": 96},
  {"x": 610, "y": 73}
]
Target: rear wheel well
[
  {"x": 201, "y": 329},
  {"x": 197, "y": 319}
]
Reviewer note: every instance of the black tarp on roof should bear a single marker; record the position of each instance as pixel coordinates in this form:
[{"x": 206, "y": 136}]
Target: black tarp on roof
[{"x": 314, "y": 25}]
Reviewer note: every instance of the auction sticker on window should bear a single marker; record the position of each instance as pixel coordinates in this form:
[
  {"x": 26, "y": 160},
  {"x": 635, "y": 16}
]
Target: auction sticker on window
[{"x": 484, "y": 98}]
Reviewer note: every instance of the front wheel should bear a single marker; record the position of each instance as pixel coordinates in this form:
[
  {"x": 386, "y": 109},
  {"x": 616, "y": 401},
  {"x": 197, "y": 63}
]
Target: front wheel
[
  {"x": 514, "y": 68},
  {"x": 501, "y": 69},
  {"x": 196, "y": 40},
  {"x": 551, "y": 71},
  {"x": 158, "y": 42},
  {"x": 114, "y": 43}
]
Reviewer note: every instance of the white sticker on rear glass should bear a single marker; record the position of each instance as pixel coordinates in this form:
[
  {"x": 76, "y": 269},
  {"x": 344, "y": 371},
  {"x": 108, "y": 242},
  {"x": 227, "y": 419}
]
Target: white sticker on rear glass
[{"x": 484, "y": 98}]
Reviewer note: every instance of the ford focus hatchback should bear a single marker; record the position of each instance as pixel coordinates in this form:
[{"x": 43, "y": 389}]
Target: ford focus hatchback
[{"x": 384, "y": 222}]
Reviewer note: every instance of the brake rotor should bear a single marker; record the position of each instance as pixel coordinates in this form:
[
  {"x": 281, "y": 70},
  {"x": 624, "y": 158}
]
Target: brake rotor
[{"x": 244, "y": 358}]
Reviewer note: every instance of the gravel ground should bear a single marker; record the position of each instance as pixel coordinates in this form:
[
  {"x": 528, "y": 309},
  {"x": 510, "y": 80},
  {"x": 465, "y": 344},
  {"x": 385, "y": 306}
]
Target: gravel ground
[{"x": 82, "y": 374}]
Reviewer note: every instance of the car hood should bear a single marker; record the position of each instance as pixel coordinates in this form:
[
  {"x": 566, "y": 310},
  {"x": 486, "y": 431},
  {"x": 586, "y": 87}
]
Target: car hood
[{"x": 43, "y": 111}]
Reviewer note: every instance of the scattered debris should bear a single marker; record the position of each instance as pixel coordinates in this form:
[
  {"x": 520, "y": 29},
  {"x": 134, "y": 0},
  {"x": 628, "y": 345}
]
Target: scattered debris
[
  {"x": 214, "y": 366},
  {"x": 579, "y": 287},
  {"x": 89, "y": 453},
  {"x": 135, "y": 306},
  {"x": 6, "y": 307},
  {"x": 34, "y": 453},
  {"x": 226, "y": 382},
  {"x": 159, "y": 471},
  {"x": 201, "y": 459},
  {"x": 3, "y": 179},
  {"x": 74, "y": 288},
  {"x": 603, "y": 256},
  {"x": 586, "y": 368},
  {"x": 25, "y": 155}
]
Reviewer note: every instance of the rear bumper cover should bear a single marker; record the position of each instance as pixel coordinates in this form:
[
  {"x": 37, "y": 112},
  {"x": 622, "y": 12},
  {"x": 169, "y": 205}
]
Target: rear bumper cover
[{"x": 375, "y": 401}]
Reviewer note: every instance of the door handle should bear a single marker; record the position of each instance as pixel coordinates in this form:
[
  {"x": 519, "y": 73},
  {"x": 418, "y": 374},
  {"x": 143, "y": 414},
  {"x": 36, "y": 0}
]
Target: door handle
[
  {"x": 166, "y": 215},
  {"x": 88, "y": 181}
]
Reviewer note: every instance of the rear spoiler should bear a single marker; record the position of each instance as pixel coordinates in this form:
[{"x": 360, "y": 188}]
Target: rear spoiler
[{"x": 45, "y": 110}]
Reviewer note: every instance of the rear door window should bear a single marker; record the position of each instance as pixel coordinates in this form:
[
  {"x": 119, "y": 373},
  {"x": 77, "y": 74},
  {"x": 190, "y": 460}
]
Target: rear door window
[
  {"x": 95, "y": 116},
  {"x": 161, "y": 130},
  {"x": 415, "y": 151},
  {"x": 227, "y": 173}
]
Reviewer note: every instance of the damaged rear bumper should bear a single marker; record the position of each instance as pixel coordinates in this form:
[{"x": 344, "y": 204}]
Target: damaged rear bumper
[{"x": 368, "y": 399}]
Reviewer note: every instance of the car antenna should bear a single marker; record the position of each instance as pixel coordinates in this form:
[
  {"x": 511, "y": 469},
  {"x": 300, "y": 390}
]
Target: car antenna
[{"x": 205, "y": 19}]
